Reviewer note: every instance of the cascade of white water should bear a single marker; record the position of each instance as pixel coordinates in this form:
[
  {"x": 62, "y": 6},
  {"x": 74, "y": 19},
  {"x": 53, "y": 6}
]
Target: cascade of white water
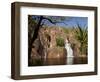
[
  {"x": 69, "y": 52},
  {"x": 68, "y": 49}
]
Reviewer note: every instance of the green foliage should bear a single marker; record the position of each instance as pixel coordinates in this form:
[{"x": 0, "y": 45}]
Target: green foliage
[
  {"x": 66, "y": 30},
  {"x": 31, "y": 24},
  {"x": 82, "y": 36},
  {"x": 60, "y": 42}
]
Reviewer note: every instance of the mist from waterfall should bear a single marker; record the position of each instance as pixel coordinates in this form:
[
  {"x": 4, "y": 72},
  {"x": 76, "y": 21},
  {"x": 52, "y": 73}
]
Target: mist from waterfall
[{"x": 69, "y": 54}]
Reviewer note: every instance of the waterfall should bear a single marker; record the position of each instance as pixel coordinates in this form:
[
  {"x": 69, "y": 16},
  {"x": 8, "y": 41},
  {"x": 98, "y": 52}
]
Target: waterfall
[{"x": 69, "y": 52}]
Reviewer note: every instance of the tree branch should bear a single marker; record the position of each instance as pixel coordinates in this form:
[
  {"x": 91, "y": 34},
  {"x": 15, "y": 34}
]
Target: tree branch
[
  {"x": 53, "y": 21},
  {"x": 49, "y": 20}
]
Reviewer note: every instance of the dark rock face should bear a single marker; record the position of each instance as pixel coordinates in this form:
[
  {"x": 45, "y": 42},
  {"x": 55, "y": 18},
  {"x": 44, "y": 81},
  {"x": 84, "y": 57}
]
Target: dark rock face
[
  {"x": 76, "y": 51},
  {"x": 56, "y": 52}
]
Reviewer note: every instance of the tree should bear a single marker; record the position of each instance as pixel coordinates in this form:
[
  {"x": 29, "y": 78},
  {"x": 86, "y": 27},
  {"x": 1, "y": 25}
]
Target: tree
[
  {"x": 36, "y": 22},
  {"x": 82, "y": 37}
]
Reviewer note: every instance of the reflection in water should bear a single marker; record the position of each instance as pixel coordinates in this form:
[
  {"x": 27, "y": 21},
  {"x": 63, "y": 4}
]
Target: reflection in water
[
  {"x": 70, "y": 61},
  {"x": 63, "y": 61},
  {"x": 56, "y": 61},
  {"x": 80, "y": 60}
]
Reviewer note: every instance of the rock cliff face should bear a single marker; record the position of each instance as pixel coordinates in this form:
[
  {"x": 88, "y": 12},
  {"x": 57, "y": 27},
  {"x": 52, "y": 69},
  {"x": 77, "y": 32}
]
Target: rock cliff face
[
  {"x": 48, "y": 40},
  {"x": 47, "y": 51}
]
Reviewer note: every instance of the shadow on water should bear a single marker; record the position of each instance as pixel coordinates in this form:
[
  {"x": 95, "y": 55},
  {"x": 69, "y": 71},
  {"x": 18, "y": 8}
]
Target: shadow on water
[
  {"x": 63, "y": 61},
  {"x": 80, "y": 60}
]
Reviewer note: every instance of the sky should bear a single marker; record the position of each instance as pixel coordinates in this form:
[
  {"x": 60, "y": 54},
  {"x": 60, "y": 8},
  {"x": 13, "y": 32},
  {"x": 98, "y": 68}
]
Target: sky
[
  {"x": 82, "y": 21},
  {"x": 69, "y": 21}
]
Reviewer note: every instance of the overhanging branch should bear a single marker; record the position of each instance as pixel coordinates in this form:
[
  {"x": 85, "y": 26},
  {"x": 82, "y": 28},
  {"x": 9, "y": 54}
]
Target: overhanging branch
[
  {"x": 49, "y": 20},
  {"x": 54, "y": 22}
]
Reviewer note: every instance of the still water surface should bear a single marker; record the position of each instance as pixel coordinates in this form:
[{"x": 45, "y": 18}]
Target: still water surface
[{"x": 64, "y": 61}]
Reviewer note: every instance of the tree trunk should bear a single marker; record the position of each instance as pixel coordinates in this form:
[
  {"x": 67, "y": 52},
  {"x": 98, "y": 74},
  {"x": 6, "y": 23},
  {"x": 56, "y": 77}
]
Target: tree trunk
[{"x": 36, "y": 30}]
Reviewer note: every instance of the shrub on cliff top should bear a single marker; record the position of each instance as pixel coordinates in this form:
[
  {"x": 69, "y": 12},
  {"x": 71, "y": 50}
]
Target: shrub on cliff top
[{"x": 59, "y": 41}]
